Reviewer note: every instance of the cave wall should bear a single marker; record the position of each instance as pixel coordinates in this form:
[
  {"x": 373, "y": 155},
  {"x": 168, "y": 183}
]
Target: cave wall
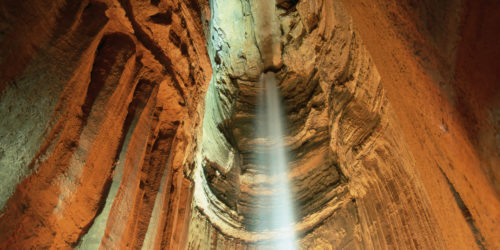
[
  {"x": 339, "y": 114},
  {"x": 100, "y": 112},
  {"x": 114, "y": 133},
  {"x": 436, "y": 62}
]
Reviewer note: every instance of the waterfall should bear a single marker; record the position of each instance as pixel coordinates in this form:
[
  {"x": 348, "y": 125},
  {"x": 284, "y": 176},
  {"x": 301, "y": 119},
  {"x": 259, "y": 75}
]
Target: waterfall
[{"x": 271, "y": 154}]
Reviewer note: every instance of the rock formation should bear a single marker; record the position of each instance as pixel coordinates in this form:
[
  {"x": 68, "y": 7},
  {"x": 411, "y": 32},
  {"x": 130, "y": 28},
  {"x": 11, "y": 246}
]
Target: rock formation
[{"x": 129, "y": 124}]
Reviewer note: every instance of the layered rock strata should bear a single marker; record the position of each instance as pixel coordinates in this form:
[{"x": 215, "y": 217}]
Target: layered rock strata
[
  {"x": 99, "y": 118},
  {"x": 436, "y": 60},
  {"x": 354, "y": 177}
]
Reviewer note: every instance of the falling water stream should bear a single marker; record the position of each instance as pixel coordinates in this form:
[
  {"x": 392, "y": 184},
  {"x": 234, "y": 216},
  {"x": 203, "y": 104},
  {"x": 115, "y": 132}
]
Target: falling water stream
[{"x": 272, "y": 155}]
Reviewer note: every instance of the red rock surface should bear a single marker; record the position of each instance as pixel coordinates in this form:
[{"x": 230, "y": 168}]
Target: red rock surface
[
  {"x": 110, "y": 72},
  {"x": 436, "y": 61}
]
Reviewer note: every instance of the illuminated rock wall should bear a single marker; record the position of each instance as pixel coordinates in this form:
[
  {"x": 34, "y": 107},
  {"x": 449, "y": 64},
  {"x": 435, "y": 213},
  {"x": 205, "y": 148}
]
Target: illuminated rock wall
[{"x": 100, "y": 102}]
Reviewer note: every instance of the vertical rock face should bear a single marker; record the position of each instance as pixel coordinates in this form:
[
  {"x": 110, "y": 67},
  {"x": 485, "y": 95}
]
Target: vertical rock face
[
  {"x": 131, "y": 124},
  {"x": 441, "y": 83},
  {"x": 354, "y": 180},
  {"x": 99, "y": 121},
  {"x": 361, "y": 176}
]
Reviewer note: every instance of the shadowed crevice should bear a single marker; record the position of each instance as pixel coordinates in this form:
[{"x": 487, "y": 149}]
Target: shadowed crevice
[{"x": 466, "y": 213}]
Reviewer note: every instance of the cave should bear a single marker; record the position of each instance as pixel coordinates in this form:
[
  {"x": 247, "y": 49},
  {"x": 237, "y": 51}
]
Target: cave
[{"x": 249, "y": 124}]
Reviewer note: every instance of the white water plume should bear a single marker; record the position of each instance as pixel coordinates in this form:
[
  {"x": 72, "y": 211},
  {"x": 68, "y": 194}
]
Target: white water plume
[{"x": 276, "y": 210}]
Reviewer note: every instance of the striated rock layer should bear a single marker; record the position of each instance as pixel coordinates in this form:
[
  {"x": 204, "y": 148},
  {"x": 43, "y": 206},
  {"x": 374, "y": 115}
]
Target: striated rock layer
[
  {"x": 353, "y": 178},
  {"x": 436, "y": 60},
  {"x": 130, "y": 124},
  {"x": 99, "y": 121},
  {"x": 367, "y": 170}
]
